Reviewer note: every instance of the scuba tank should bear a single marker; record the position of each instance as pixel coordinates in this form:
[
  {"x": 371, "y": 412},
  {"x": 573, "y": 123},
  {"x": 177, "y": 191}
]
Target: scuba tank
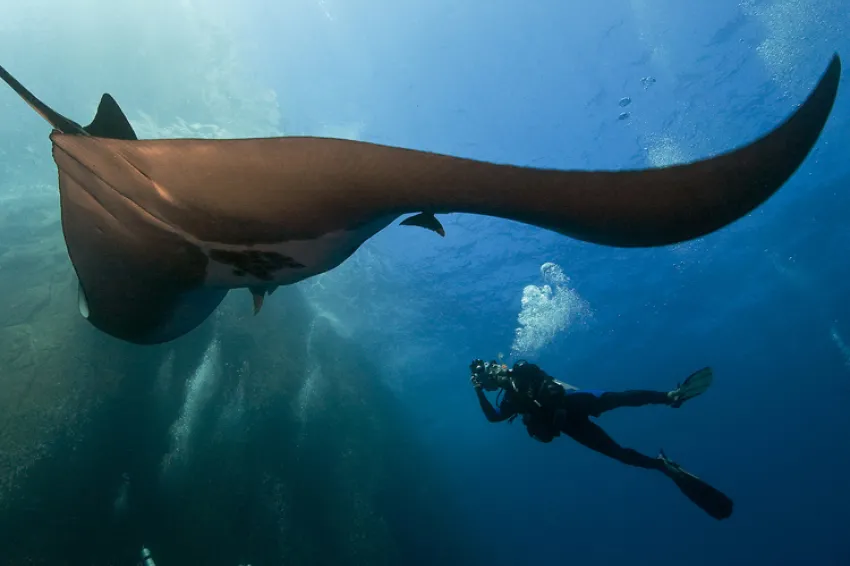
[
  {"x": 535, "y": 384},
  {"x": 544, "y": 395}
]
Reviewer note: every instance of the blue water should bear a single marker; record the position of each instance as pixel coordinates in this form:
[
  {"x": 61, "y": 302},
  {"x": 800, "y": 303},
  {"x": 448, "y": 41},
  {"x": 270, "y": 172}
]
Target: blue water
[
  {"x": 763, "y": 301},
  {"x": 538, "y": 83}
]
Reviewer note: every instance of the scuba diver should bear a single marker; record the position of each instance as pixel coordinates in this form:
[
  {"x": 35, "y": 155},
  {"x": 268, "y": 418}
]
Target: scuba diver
[{"x": 550, "y": 407}]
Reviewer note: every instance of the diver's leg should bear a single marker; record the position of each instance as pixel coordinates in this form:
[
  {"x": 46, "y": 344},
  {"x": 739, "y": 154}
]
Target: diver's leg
[
  {"x": 585, "y": 432},
  {"x": 595, "y": 402}
]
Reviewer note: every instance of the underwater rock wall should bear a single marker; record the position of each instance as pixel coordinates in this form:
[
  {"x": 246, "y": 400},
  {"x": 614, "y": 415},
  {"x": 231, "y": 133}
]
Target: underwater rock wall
[
  {"x": 262, "y": 440},
  {"x": 47, "y": 386}
]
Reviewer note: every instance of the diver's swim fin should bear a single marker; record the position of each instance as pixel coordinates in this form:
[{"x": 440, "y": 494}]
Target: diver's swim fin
[
  {"x": 712, "y": 501},
  {"x": 695, "y": 384}
]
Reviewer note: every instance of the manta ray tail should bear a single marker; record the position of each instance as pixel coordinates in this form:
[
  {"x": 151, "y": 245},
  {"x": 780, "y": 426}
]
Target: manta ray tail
[
  {"x": 109, "y": 121},
  {"x": 58, "y": 121}
]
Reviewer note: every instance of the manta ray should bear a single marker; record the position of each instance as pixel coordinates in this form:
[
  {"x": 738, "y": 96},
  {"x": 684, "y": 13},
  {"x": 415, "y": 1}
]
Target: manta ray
[{"x": 158, "y": 231}]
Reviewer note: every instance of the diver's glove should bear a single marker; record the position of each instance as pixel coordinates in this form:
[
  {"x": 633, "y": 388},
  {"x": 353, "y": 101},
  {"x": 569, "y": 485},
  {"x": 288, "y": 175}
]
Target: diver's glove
[
  {"x": 477, "y": 366},
  {"x": 477, "y": 369},
  {"x": 476, "y": 383}
]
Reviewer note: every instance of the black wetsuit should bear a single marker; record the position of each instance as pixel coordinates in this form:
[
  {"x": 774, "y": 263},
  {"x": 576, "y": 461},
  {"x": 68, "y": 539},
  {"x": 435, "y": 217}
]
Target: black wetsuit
[{"x": 571, "y": 416}]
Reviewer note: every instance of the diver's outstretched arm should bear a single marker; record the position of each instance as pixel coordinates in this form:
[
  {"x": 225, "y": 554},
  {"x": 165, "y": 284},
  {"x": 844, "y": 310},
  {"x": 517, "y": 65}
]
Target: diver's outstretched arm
[{"x": 494, "y": 414}]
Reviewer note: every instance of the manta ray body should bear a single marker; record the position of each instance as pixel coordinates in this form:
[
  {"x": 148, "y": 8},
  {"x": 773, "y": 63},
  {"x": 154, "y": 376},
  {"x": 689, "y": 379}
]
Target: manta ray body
[{"x": 159, "y": 231}]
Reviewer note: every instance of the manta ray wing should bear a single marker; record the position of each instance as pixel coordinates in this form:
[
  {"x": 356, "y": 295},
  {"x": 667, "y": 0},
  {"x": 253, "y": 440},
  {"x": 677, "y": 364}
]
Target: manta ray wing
[
  {"x": 135, "y": 283},
  {"x": 271, "y": 190}
]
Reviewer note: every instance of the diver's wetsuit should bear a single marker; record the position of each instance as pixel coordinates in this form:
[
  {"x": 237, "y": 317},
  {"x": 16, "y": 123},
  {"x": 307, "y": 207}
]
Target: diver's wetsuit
[
  {"x": 549, "y": 407},
  {"x": 572, "y": 418}
]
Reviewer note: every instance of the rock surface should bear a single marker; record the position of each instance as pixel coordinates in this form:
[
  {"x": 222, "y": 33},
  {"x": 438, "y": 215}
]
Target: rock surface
[{"x": 263, "y": 440}]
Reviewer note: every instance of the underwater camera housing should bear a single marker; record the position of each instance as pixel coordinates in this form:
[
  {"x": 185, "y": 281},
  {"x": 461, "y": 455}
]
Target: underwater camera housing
[{"x": 487, "y": 373}]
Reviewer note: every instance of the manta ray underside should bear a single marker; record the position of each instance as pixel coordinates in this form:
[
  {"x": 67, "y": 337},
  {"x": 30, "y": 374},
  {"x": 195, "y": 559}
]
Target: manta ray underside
[{"x": 158, "y": 231}]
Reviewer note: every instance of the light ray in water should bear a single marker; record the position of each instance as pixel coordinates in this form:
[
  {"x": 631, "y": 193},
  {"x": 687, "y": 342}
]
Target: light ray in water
[
  {"x": 840, "y": 344},
  {"x": 199, "y": 390}
]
